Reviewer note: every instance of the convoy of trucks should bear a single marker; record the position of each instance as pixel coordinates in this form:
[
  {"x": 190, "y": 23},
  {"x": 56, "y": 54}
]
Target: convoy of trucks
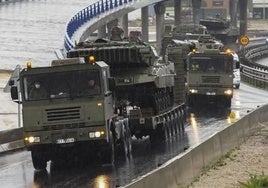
[{"x": 107, "y": 91}]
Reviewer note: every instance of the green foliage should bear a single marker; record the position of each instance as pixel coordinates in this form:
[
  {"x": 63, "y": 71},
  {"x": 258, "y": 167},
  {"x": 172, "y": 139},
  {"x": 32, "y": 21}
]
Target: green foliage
[{"x": 255, "y": 182}]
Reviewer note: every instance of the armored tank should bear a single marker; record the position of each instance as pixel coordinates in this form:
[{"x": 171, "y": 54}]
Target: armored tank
[
  {"x": 142, "y": 78},
  {"x": 221, "y": 29}
]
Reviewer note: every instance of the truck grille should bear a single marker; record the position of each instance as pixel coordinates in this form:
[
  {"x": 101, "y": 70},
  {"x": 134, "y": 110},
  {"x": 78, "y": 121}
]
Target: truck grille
[
  {"x": 210, "y": 79},
  {"x": 59, "y": 114}
]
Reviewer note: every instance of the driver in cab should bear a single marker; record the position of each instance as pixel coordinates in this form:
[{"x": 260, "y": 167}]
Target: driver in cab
[{"x": 93, "y": 87}]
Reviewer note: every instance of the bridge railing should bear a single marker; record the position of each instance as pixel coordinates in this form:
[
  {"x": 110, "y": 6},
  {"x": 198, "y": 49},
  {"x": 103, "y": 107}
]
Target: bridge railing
[
  {"x": 86, "y": 14},
  {"x": 252, "y": 72}
]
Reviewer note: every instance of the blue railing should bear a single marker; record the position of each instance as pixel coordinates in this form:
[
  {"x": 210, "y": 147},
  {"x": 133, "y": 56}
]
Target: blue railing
[{"x": 87, "y": 14}]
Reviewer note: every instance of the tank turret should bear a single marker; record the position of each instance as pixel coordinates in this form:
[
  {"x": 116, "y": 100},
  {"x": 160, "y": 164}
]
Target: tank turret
[{"x": 221, "y": 29}]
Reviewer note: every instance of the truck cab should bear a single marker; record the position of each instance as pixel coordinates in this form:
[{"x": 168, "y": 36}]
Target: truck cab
[
  {"x": 67, "y": 105},
  {"x": 210, "y": 77}
]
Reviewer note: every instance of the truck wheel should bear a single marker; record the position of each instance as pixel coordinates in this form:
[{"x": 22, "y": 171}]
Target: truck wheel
[
  {"x": 228, "y": 102},
  {"x": 39, "y": 160}
]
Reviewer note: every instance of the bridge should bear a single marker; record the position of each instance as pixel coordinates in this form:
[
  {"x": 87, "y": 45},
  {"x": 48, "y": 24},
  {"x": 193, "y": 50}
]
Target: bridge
[{"x": 103, "y": 12}]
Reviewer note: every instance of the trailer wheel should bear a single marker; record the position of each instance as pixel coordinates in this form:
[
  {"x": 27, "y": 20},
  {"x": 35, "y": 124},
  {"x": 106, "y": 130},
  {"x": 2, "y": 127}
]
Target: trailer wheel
[
  {"x": 181, "y": 122},
  {"x": 166, "y": 129},
  {"x": 126, "y": 139},
  {"x": 172, "y": 125},
  {"x": 39, "y": 160},
  {"x": 176, "y": 123}
]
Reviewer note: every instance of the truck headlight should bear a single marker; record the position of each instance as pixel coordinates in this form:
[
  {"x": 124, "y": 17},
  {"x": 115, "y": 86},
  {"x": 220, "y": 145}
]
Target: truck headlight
[
  {"x": 96, "y": 134},
  {"x": 228, "y": 92},
  {"x": 32, "y": 139},
  {"x": 193, "y": 90}
]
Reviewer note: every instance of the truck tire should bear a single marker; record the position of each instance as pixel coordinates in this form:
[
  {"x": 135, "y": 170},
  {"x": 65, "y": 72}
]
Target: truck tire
[
  {"x": 39, "y": 160},
  {"x": 228, "y": 102}
]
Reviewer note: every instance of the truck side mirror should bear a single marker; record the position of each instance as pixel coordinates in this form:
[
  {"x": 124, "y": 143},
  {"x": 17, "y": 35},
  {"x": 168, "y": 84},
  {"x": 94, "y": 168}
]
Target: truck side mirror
[
  {"x": 11, "y": 82},
  {"x": 111, "y": 84},
  {"x": 237, "y": 65},
  {"x": 14, "y": 93}
]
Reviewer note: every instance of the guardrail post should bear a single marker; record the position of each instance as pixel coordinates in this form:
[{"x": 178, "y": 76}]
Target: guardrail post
[
  {"x": 106, "y": 5},
  {"x": 102, "y": 6},
  {"x": 91, "y": 11},
  {"x": 95, "y": 12},
  {"x": 111, "y": 4},
  {"x": 115, "y": 3},
  {"x": 99, "y": 9}
]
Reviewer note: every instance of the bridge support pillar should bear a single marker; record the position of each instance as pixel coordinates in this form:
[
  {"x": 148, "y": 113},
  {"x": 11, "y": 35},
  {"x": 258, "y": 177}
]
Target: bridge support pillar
[
  {"x": 110, "y": 25},
  {"x": 177, "y": 13},
  {"x": 145, "y": 24},
  {"x": 196, "y": 11},
  {"x": 233, "y": 11},
  {"x": 159, "y": 12},
  {"x": 243, "y": 16},
  {"x": 102, "y": 32},
  {"x": 125, "y": 25}
]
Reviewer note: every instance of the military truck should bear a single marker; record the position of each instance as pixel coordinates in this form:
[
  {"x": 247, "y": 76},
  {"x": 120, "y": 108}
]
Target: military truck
[
  {"x": 68, "y": 109},
  {"x": 210, "y": 77}
]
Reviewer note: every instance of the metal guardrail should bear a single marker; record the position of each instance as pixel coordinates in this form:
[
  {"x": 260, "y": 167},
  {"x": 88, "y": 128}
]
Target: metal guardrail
[
  {"x": 252, "y": 72},
  {"x": 87, "y": 14}
]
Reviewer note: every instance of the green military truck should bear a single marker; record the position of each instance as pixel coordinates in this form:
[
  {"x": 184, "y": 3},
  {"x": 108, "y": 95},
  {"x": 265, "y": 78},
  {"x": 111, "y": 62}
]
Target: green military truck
[
  {"x": 63, "y": 110},
  {"x": 210, "y": 77}
]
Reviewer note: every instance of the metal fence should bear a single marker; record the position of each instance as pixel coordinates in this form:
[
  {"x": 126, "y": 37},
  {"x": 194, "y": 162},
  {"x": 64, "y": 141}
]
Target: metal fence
[
  {"x": 252, "y": 72},
  {"x": 87, "y": 14}
]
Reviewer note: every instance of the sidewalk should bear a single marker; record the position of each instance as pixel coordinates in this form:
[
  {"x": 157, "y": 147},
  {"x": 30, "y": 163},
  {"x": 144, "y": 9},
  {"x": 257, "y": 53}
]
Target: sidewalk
[{"x": 8, "y": 108}]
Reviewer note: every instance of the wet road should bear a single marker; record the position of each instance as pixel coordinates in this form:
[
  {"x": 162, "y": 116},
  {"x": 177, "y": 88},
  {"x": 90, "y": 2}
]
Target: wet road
[{"x": 16, "y": 168}]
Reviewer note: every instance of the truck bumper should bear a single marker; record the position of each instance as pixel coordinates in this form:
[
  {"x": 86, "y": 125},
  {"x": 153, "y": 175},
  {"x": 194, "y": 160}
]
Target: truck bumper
[{"x": 65, "y": 137}]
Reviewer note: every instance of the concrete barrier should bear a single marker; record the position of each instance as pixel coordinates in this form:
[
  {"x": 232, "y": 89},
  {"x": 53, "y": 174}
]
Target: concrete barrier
[
  {"x": 183, "y": 169},
  {"x": 11, "y": 140}
]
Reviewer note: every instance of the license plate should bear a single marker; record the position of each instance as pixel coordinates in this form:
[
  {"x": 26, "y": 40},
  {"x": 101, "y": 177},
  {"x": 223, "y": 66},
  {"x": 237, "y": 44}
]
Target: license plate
[
  {"x": 210, "y": 93},
  {"x": 65, "y": 141}
]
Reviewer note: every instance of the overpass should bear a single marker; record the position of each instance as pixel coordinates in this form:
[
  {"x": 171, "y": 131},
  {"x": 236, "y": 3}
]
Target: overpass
[{"x": 106, "y": 12}]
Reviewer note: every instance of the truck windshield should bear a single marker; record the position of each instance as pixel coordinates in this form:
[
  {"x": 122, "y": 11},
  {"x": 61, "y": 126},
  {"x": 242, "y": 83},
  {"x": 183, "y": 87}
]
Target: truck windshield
[
  {"x": 71, "y": 84},
  {"x": 210, "y": 64}
]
